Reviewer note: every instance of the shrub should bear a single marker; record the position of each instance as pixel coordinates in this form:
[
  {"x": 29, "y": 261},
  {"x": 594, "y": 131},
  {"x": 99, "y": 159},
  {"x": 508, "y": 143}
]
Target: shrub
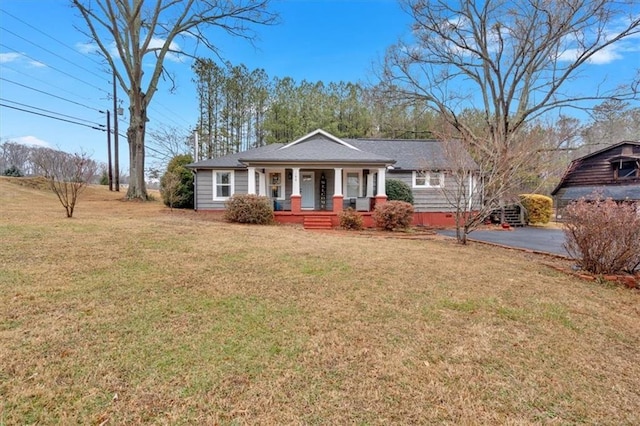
[
  {"x": 249, "y": 208},
  {"x": 603, "y": 236},
  {"x": 393, "y": 215},
  {"x": 398, "y": 190},
  {"x": 539, "y": 207},
  {"x": 350, "y": 219},
  {"x": 176, "y": 185},
  {"x": 13, "y": 171},
  {"x": 104, "y": 178}
]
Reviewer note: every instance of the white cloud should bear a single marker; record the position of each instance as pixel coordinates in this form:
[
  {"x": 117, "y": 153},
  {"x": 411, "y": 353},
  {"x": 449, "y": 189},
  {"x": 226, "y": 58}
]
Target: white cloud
[
  {"x": 86, "y": 48},
  {"x": 31, "y": 140},
  {"x": 157, "y": 43},
  {"x": 602, "y": 57},
  {"x": 10, "y": 57},
  {"x": 37, "y": 64}
]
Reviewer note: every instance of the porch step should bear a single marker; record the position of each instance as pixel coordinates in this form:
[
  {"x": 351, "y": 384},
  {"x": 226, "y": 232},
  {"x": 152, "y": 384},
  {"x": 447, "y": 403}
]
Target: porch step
[{"x": 317, "y": 222}]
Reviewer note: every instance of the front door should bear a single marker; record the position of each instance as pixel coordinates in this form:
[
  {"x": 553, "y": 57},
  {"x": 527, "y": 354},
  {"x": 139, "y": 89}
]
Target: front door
[{"x": 307, "y": 190}]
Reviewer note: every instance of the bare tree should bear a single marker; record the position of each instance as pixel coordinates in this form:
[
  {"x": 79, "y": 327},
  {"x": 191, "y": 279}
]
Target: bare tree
[
  {"x": 138, "y": 28},
  {"x": 166, "y": 142},
  {"x": 67, "y": 174},
  {"x": 510, "y": 59},
  {"x": 15, "y": 155}
]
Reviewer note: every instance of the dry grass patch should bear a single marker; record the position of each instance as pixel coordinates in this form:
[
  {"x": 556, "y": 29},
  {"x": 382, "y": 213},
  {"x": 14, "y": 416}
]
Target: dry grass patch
[{"x": 128, "y": 313}]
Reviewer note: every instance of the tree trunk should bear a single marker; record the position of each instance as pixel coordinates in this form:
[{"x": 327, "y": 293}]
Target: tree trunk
[{"x": 135, "y": 134}]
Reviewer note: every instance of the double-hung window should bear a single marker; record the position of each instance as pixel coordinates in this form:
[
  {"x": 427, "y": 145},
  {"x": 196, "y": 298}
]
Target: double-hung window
[
  {"x": 428, "y": 179},
  {"x": 276, "y": 185},
  {"x": 352, "y": 184},
  {"x": 223, "y": 185}
]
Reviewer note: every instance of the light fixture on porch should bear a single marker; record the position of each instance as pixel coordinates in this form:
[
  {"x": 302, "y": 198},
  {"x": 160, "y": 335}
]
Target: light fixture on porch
[{"x": 289, "y": 175}]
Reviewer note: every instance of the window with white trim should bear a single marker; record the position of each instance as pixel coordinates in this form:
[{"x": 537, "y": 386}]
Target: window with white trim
[
  {"x": 352, "y": 184},
  {"x": 223, "y": 184},
  {"x": 276, "y": 185},
  {"x": 429, "y": 179}
]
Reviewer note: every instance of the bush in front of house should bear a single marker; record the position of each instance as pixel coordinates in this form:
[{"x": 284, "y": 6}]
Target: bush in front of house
[
  {"x": 350, "y": 219},
  {"x": 393, "y": 215},
  {"x": 249, "y": 208},
  {"x": 398, "y": 190},
  {"x": 539, "y": 207},
  {"x": 176, "y": 185},
  {"x": 603, "y": 236}
]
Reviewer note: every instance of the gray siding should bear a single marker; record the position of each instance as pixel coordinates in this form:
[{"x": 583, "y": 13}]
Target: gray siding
[
  {"x": 204, "y": 195},
  {"x": 427, "y": 199}
]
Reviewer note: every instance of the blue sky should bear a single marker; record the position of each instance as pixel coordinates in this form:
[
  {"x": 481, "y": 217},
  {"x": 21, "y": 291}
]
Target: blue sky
[{"x": 42, "y": 66}]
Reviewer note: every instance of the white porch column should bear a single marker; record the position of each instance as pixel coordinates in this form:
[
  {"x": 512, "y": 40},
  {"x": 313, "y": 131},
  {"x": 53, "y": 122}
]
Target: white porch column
[
  {"x": 337, "y": 184},
  {"x": 369, "y": 185},
  {"x": 381, "y": 178},
  {"x": 295, "y": 190},
  {"x": 262, "y": 184},
  {"x": 251, "y": 181}
]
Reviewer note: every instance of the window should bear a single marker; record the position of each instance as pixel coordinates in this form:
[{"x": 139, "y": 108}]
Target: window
[
  {"x": 276, "y": 185},
  {"x": 627, "y": 169},
  {"x": 352, "y": 184},
  {"x": 222, "y": 184},
  {"x": 428, "y": 179}
]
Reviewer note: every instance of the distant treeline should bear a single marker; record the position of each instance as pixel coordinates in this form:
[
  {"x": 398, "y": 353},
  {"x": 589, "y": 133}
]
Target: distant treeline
[{"x": 242, "y": 109}]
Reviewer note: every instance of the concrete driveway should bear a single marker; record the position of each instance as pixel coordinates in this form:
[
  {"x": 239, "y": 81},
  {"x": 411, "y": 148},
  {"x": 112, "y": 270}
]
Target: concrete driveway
[{"x": 537, "y": 239}]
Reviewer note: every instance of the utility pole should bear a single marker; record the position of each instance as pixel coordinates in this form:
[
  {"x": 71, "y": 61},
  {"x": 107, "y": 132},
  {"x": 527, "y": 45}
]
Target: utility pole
[
  {"x": 109, "y": 172},
  {"x": 115, "y": 134}
]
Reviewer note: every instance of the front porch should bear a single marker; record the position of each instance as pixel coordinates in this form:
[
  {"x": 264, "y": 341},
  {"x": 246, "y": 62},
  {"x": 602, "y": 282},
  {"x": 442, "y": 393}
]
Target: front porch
[{"x": 315, "y": 196}]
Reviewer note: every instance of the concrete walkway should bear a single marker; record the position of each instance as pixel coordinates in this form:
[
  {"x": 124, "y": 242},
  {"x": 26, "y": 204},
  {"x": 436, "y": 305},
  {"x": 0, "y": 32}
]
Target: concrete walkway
[{"x": 537, "y": 239}]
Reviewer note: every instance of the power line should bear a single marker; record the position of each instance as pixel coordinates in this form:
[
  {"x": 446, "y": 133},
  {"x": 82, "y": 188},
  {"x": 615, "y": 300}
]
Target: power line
[
  {"x": 49, "y": 111},
  {"x": 54, "y": 68},
  {"x": 46, "y": 83},
  {"x": 51, "y": 52},
  {"x": 49, "y": 36},
  {"x": 47, "y": 93},
  {"x": 54, "y": 118}
]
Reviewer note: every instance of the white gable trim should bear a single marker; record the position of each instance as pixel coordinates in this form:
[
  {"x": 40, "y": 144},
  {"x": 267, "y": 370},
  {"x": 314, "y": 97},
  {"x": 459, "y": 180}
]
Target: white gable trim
[{"x": 323, "y": 133}]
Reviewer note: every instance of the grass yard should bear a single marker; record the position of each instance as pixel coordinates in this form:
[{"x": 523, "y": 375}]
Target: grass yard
[{"x": 129, "y": 313}]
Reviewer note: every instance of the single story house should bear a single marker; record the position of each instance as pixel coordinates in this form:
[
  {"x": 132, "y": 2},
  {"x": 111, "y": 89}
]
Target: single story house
[
  {"x": 312, "y": 179},
  {"x": 613, "y": 172}
]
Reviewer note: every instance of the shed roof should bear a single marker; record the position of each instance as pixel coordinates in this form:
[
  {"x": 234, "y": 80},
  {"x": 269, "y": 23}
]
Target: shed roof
[
  {"x": 573, "y": 166},
  {"x": 616, "y": 193}
]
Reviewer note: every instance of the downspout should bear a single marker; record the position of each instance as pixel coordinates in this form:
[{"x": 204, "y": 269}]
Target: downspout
[{"x": 195, "y": 189}]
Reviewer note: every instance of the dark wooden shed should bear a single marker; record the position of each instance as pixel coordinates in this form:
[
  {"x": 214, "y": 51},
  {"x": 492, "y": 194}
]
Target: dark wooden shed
[{"x": 614, "y": 172}]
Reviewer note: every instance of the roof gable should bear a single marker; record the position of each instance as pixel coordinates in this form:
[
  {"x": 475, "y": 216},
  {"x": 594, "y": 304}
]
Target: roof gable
[{"x": 310, "y": 136}]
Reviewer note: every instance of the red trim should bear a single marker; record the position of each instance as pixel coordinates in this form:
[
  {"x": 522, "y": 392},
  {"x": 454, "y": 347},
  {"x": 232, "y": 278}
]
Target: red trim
[{"x": 429, "y": 219}]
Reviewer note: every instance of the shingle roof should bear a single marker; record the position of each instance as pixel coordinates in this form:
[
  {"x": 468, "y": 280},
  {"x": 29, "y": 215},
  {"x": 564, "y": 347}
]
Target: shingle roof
[
  {"x": 318, "y": 147},
  {"x": 616, "y": 193},
  {"x": 428, "y": 154},
  {"x": 231, "y": 161}
]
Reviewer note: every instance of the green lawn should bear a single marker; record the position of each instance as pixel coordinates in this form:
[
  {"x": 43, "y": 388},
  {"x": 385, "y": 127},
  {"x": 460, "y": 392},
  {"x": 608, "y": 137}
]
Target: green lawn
[{"x": 129, "y": 313}]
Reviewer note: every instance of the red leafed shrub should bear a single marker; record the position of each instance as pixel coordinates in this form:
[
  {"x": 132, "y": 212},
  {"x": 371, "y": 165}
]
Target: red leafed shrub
[
  {"x": 393, "y": 215},
  {"x": 603, "y": 236},
  {"x": 350, "y": 219},
  {"x": 248, "y": 208}
]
